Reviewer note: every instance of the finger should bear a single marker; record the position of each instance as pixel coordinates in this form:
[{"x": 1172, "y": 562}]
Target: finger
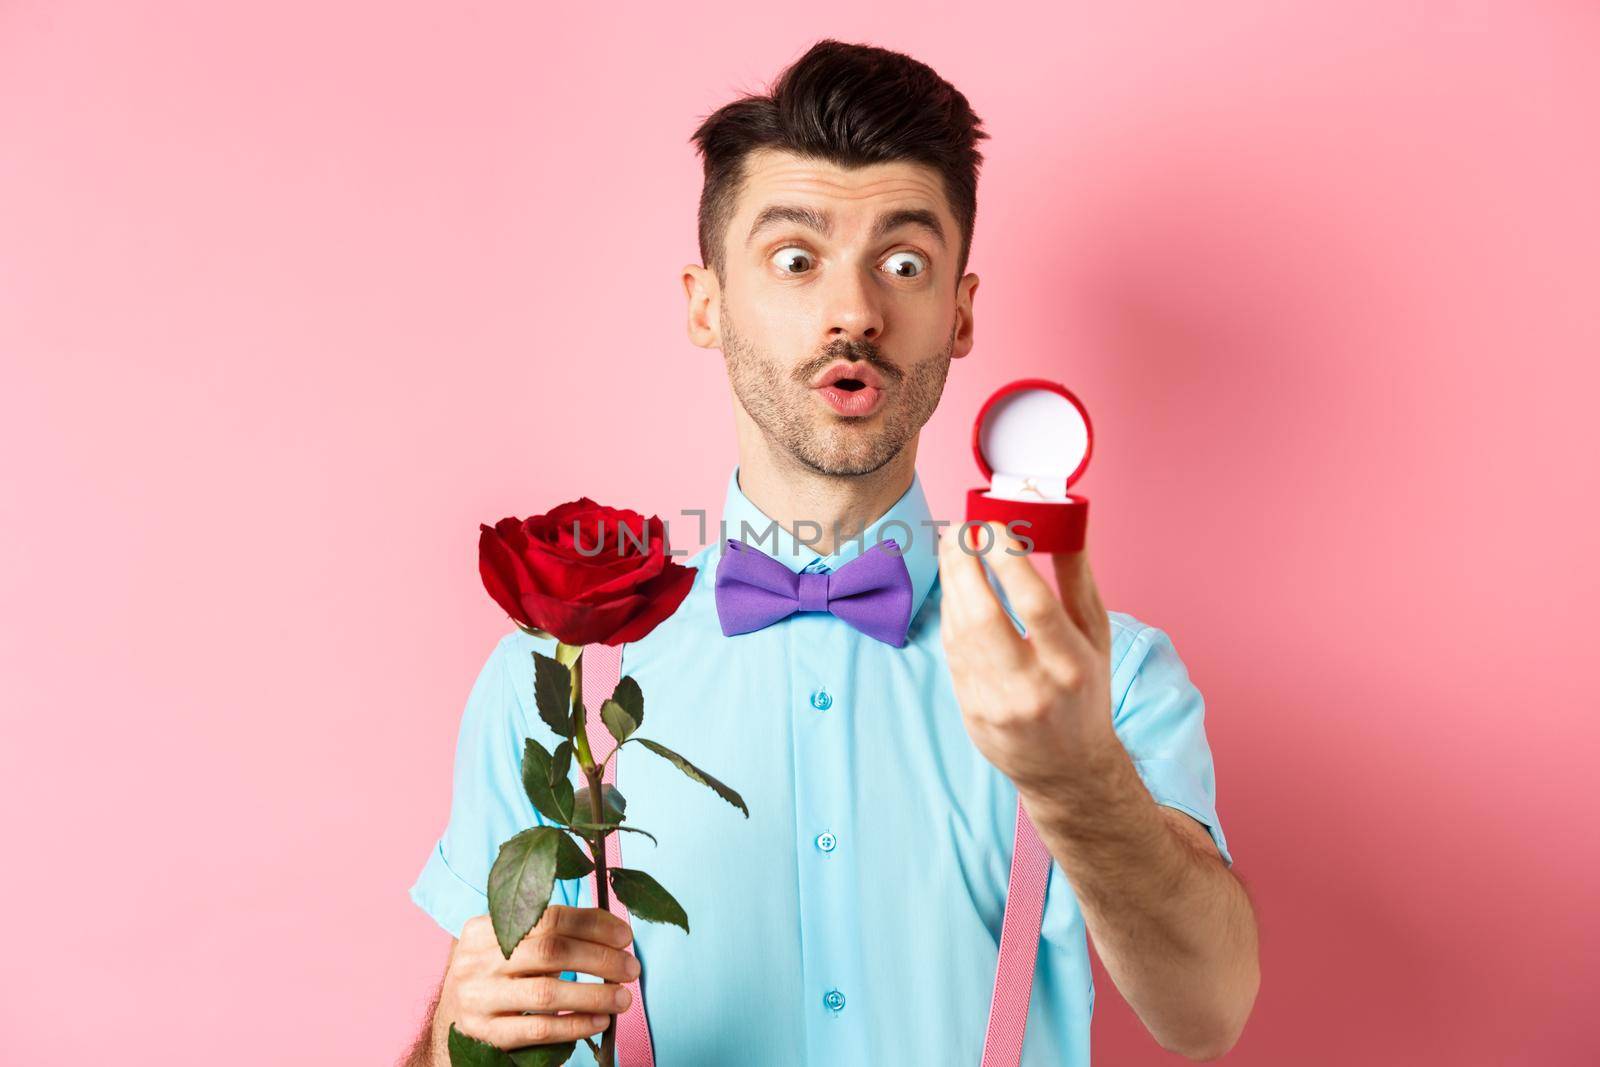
[
  {"x": 983, "y": 631},
  {"x": 1056, "y": 638},
  {"x": 590, "y": 924},
  {"x": 1080, "y": 596},
  {"x": 554, "y": 953},
  {"x": 968, "y": 602},
  {"x": 548, "y": 994},
  {"x": 515, "y": 1031}
]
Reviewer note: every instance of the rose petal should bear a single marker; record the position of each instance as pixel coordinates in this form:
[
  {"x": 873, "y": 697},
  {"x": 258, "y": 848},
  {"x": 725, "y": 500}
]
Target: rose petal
[
  {"x": 503, "y": 574},
  {"x": 610, "y": 592},
  {"x": 660, "y": 599}
]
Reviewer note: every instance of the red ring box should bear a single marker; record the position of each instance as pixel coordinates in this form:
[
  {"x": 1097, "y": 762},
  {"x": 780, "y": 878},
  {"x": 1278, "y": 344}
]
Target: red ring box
[{"x": 1032, "y": 440}]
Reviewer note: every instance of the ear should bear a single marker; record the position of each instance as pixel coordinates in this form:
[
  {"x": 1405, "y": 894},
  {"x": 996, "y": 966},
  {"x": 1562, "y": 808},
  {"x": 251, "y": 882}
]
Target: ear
[
  {"x": 966, "y": 288},
  {"x": 700, "y": 286}
]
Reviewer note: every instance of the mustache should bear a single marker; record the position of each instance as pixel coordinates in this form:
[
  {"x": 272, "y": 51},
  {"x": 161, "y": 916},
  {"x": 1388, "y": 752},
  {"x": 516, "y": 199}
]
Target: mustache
[{"x": 856, "y": 353}]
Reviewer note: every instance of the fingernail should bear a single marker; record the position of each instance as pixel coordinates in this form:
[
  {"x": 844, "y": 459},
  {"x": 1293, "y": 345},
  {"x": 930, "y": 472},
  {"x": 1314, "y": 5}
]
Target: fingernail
[
  {"x": 599, "y": 1020},
  {"x": 622, "y": 998},
  {"x": 633, "y": 967}
]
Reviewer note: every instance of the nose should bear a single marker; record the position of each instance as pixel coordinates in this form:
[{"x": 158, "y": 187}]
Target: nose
[{"x": 853, "y": 308}]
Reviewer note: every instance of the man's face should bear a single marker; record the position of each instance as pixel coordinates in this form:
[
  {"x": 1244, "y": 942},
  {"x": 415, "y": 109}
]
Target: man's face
[{"x": 825, "y": 265}]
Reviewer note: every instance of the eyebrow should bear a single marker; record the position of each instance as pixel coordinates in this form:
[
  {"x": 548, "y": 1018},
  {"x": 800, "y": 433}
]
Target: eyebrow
[{"x": 822, "y": 222}]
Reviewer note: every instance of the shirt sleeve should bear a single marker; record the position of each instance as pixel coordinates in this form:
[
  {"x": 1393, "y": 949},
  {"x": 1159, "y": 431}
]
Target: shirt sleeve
[
  {"x": 487, "y": 802},
  {"x": 1159, "y": 716}
]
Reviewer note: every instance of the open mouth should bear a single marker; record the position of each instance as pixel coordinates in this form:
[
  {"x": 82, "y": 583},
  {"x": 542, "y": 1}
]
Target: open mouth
[{"x": 851, "y": 396}]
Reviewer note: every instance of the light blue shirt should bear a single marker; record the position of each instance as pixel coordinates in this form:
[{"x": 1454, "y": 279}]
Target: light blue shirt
[{"x": 854, "y": 918}]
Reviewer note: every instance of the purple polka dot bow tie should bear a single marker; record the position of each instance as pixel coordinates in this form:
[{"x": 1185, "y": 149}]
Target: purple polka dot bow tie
[{"x": 872, "y": 592}]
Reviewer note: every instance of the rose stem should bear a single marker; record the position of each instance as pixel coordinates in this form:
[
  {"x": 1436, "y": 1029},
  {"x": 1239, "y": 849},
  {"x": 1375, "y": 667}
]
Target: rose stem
[{"x": 597, "y": 844}]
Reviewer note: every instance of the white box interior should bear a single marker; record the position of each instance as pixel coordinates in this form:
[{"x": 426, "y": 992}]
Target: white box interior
[{"x": 1033, "y": 440}]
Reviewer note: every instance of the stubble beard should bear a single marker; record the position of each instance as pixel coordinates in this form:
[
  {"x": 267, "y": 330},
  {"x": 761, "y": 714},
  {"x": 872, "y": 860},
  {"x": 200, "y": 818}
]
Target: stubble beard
[{"x": 779, "y": 402}]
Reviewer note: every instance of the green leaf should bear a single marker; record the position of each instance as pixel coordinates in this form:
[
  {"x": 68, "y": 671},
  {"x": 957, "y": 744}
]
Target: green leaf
[
  {"x": 612, "y": 803},
  {"x": 631, "y": 697},
  {"x": 553, "y": 801},
  {"x": 697, "y": 774},
  {"x": 466, "y": 1051},
  {"x": 543, "y": 1055},
  {"x": 561, "y": 762},
  {"x": 470, "y": 1052},
  {"x": 563, "y": 795},
  {"x": 617, "y": 720},
  {"x": 646, "y": 899},
  {"x": 552, "y": 691},
  {"x": 607, "y": 827},
  {"x": 520, "y": 883},
  {"x": 571, "y": 861}
]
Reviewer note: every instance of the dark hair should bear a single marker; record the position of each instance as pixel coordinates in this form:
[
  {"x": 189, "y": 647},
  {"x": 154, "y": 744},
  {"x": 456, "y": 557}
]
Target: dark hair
[{"x": 852, "y": 105}]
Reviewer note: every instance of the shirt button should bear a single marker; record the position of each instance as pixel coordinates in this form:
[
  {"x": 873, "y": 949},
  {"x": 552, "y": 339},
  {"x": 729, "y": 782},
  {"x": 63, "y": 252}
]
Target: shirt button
[
  {"x": 826, "y": 841},
  {"x": 833, "y": 1000},
  {"x": 821, "y": 700}
]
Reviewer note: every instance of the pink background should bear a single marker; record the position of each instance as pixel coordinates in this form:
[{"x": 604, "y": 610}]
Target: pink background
[{"x": 294, "y": 295}]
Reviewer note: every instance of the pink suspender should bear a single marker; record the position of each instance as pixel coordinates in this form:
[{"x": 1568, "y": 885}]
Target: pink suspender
[
  {"x": 1019, "y": 946},
  {"x": 1019, "y": 930}
]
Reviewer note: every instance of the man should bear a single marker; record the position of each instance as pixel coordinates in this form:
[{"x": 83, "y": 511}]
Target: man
[{"x": 854, "y": 917}]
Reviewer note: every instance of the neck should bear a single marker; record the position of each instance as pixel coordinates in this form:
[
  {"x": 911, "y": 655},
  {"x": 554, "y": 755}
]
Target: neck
[{"x": 844, "y": 504}]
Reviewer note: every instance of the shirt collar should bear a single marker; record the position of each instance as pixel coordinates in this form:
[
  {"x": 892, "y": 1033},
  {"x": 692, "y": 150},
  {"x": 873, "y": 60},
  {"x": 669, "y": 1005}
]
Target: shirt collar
[{"x": 908, "y": 521}]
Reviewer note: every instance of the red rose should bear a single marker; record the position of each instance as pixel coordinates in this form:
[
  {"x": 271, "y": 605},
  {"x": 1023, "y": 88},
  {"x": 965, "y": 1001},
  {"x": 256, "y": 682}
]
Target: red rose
[{"x": 535, "y": 571}]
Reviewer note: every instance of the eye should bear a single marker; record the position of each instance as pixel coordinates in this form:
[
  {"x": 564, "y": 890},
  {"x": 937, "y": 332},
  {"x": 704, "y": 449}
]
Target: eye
[
  {"x": 899, "y": 269},
  {"x": 785, "y": 258}
]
